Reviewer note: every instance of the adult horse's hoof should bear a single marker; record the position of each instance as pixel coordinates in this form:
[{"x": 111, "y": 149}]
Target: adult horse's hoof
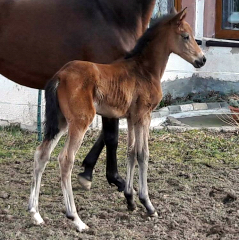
[{"x": 85, "y": 184}]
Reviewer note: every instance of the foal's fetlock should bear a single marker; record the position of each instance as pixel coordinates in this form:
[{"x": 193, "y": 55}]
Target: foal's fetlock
[{"x": 117, "y": 180}]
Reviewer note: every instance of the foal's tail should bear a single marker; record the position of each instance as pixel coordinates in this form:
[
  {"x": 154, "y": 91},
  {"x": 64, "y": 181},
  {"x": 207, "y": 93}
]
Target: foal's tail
[{"x": 52, "y": 110}]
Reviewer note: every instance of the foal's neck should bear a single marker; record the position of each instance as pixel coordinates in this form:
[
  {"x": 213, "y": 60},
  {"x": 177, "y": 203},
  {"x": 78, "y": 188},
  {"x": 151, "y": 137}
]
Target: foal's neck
[{"x": 153, "y": 59}]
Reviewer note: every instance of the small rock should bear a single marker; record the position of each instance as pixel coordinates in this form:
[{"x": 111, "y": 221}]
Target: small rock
[
  {"x": 230, "y": 197},
  {"x": 185, "y": 175},
  {"x": 4, "y": 195},
  {"x": 217, "y": 229},
  {"x": 10, "y": 217},
  {"x": 4, "y": 211}
]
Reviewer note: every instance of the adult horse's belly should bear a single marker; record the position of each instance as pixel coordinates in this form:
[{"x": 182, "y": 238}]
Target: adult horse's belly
[{"x": 38, "y": 37}]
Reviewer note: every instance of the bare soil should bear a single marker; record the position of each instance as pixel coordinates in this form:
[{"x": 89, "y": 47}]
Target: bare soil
[{"x": 193, "y": 183}]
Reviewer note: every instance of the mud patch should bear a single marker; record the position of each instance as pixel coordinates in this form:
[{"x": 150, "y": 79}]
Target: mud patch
[{"x": 193, "y": 183}]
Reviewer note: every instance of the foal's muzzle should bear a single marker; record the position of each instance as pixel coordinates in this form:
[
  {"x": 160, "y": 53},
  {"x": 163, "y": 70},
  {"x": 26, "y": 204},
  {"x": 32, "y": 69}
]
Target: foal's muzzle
[{"x": 200, "y": 63}]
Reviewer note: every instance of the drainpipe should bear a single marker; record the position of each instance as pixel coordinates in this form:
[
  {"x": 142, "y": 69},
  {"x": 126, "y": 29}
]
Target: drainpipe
[{"x": 39, "y": 130}]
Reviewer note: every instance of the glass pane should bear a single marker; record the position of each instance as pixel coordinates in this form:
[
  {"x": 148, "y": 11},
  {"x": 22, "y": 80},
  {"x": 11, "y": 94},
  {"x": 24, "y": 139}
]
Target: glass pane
[
  {"x": 162, "y": 7},
  {"x": 230, "y": 14}
]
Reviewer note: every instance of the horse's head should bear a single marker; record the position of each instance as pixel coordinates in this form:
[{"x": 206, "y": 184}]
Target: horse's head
[{"x": 182, "y": 41}]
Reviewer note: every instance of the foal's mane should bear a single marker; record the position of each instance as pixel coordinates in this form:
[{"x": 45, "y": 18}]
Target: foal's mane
[{"x": 148, "y": 36}]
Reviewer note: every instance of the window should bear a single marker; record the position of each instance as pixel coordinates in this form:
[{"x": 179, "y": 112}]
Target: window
[
  {"x": 227, "y": 19},
  {"x": 163, "y": 7}
]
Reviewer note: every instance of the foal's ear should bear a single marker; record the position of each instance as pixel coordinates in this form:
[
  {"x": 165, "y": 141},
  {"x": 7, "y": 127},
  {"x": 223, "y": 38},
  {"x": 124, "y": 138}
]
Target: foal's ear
[{"x": 179, "y": 17}]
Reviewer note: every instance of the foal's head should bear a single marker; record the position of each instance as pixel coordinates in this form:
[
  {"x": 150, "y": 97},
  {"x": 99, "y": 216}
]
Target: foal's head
[{"x": 182, "y": 42}]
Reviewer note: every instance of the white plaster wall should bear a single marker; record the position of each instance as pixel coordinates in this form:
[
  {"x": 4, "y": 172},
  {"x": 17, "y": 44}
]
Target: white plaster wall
[
  {"x": 18, "y": 104},
  {"x": 222, "y": 64}
]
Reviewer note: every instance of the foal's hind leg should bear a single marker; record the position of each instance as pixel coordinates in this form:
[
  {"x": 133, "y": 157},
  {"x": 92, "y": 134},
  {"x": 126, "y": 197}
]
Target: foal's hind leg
[
  {"x": 41, "y": 158},
  {"x": 66, "y": 161}
]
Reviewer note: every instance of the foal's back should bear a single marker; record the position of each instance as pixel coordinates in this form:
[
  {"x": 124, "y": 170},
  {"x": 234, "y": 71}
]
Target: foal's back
[{"x": 109, "y": 90}]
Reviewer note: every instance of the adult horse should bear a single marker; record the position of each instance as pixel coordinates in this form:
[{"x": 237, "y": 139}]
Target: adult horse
[{"x": 38, "y": 37}]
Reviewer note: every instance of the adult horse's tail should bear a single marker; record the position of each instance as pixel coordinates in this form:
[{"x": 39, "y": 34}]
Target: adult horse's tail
[{"x": 52, "y": 111}]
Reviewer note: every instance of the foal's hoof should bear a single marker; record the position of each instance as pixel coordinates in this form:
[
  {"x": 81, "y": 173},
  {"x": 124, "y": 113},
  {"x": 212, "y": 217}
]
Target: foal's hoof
[
  {"x": 118, "y": 181},
  {"x": 85, "y": 184},
  {"x": 153, "y": 215},
  {"x": 131, "y": 207},
  {"x": 36, "y": 218},
  {"x": 80, "y": 226}
]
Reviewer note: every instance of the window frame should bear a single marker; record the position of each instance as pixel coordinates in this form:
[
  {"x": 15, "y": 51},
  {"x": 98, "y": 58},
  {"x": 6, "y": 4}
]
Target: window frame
[
  {"x": 178, "y": 5},
  {"x": 223, "y": 33}
]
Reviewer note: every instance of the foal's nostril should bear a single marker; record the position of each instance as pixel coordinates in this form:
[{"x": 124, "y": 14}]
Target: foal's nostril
[{"x": 200, "y": 63}]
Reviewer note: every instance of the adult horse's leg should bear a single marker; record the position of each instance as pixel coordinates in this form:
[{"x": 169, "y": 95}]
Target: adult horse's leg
[
  {"x": 108, "y": 137},
  {"x": 111, "y": 135},
  {"x": 85, "y": 178}
]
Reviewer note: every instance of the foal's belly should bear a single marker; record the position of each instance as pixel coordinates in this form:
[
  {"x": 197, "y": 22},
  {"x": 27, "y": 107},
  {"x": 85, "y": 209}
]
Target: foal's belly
[{"x": 109, "y": 112}]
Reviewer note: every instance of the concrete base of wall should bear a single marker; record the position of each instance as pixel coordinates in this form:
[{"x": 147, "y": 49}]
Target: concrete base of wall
[{"x": 195, "y": 84}]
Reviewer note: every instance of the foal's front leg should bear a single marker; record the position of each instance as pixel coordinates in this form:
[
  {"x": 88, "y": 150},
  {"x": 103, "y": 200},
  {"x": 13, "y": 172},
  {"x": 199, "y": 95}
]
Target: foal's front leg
[
  {"x": 142, "y": 151},
  {"x": 131, "y": 155}
]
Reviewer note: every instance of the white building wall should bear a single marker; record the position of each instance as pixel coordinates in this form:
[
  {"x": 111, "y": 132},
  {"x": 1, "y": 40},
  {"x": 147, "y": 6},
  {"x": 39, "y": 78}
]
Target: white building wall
[{"x": 18, "y": 104}]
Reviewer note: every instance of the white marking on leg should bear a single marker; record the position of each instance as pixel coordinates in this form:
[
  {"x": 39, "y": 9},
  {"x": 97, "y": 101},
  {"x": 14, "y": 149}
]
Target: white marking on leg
[
  {"x": 66, "y": 160},
  {"x": 36, "y": 217},
  {"x": 41, "y": 157},
  {"x": 80, "y": 226}
]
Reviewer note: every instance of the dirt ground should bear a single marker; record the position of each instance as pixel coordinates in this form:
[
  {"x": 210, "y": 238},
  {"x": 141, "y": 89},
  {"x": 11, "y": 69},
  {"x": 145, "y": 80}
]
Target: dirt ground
[{"x": 193, "y": 183}]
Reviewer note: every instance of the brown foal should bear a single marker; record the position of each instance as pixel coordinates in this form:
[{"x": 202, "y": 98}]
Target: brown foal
[{"x": 129, "y": 88}]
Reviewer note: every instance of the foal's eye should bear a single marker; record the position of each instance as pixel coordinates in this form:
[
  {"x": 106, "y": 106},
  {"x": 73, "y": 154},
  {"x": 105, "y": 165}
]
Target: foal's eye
[{"x": 185, "y": 36}]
